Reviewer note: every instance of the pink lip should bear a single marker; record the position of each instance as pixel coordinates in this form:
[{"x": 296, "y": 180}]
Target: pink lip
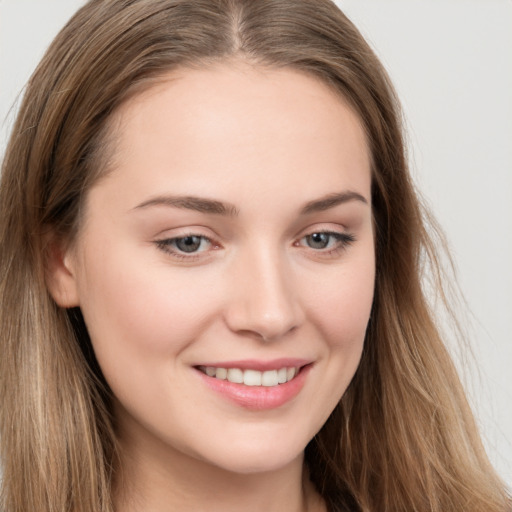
[
  {"x": 258, "y": 398},
  {"x": 253, "y": 364}
]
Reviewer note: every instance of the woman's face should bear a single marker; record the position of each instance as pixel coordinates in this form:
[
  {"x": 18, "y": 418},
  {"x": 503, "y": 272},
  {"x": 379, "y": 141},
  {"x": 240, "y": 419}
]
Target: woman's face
[{"x": 231, "y": 241}]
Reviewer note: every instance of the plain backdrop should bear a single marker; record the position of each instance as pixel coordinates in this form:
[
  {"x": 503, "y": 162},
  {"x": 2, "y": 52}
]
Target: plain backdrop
[{"x": 451, "y": 62}]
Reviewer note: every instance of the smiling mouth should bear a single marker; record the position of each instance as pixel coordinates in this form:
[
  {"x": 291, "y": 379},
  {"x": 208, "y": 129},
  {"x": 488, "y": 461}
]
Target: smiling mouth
[{"x": 248, "y": 377}]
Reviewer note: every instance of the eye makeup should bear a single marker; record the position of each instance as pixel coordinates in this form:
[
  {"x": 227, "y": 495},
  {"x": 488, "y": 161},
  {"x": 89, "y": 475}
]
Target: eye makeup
[{"x": 192, "y": 246}]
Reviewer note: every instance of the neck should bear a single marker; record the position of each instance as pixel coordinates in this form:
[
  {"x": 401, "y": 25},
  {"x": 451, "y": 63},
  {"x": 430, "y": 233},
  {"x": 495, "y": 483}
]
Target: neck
[{"x": 161, "y": 479}]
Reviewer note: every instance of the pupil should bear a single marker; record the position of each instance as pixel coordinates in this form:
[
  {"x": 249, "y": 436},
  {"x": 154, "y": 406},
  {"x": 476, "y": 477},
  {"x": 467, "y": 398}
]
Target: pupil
[
  {"x": 188, "y": 243},
  {"x": 318, "y": 240}
]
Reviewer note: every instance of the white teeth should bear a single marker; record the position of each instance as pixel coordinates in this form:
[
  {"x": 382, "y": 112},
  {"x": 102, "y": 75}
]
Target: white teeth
[
  {"x": 252, "y": 378},
  {"x": 235, "y": 375},
  {"x": 267, "y": 378},
  {"x": 221, "y": 374},
  {"x": 281, "y": 375}
]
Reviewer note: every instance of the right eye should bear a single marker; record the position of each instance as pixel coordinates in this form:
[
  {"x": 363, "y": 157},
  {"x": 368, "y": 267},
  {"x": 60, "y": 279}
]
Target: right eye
[{"x": 185, "y": 245}]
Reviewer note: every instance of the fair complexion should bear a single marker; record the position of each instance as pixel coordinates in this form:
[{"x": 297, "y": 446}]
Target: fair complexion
[{"x": 233, "y": 235}]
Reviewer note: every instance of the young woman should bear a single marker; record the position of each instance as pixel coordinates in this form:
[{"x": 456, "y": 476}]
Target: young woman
[{"x": 211, "y": 259}]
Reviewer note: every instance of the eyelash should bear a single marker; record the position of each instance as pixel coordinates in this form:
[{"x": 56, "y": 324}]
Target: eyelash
[
  {"x": 342, "y": 242},
  {"x": 168, "y": 245}
]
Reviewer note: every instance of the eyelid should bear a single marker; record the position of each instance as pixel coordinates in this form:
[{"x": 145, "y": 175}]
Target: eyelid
[
  {"x": 335, "y": 234},
  {"x": 334, "y": 228}
]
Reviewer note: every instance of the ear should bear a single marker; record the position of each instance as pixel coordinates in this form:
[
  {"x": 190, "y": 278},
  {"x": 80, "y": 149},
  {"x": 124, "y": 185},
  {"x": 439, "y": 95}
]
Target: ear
[{"x": 60, "y": 273}]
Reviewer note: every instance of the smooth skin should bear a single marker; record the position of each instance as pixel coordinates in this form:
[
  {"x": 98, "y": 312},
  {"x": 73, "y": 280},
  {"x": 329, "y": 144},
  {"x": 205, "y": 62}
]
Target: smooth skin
[{"x": 263, "y": 266}]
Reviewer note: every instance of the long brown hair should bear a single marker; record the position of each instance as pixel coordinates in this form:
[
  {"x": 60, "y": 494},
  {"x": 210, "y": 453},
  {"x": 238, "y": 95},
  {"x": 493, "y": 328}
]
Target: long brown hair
[{"x": 401, "y": 439}]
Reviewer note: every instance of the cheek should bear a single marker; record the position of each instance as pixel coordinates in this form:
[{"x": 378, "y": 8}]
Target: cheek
[
  {"x": 142, "y": 310},
  {"x": 141, "y": 318},
  {"x": 342, "y": 303}
]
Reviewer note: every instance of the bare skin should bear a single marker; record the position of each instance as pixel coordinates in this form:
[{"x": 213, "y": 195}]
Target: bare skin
[{"x": 234, "y": 232}]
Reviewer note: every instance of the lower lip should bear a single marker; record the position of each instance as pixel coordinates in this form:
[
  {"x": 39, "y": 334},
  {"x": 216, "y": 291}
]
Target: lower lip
[{"x": 258, "y": 398}]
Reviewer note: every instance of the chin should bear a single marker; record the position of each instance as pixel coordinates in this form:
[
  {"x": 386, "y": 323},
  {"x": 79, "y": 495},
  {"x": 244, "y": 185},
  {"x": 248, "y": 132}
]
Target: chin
[{"x": 257, "y": 457}]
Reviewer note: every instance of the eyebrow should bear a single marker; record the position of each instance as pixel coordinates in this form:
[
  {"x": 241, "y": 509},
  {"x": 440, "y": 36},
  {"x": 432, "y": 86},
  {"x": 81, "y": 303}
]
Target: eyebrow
[
  {"x": 332, "y": 200},
  {"x": 198, "y": 204},
  {"x": 212, "y": 206}
]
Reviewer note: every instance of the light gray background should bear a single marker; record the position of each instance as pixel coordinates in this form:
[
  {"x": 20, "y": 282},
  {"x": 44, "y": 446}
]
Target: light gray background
[{"x": 451, "y": 62}]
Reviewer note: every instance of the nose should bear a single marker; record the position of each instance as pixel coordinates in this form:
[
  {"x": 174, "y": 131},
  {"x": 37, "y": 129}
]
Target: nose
[{"x": 263, "y": 300}]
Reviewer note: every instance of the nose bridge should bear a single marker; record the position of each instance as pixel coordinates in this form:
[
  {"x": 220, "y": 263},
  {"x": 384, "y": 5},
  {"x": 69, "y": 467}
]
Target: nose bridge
[{"x": 264, "y": 300}]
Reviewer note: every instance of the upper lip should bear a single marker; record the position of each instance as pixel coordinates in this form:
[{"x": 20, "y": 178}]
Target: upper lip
[{"x": 256, "y": 364}]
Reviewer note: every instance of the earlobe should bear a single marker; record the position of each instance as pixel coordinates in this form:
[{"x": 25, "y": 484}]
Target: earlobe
[{"x": 60, "y": 275}]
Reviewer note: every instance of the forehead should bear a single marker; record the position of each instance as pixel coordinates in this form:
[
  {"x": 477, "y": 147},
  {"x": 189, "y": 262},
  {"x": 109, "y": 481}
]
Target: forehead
[{"x": 233, "y": 123}]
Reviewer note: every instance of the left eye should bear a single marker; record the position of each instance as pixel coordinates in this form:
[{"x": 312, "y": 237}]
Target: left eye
[
  {"x": 326, "y": 240},
  {"x": 186, "y": 244}
]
